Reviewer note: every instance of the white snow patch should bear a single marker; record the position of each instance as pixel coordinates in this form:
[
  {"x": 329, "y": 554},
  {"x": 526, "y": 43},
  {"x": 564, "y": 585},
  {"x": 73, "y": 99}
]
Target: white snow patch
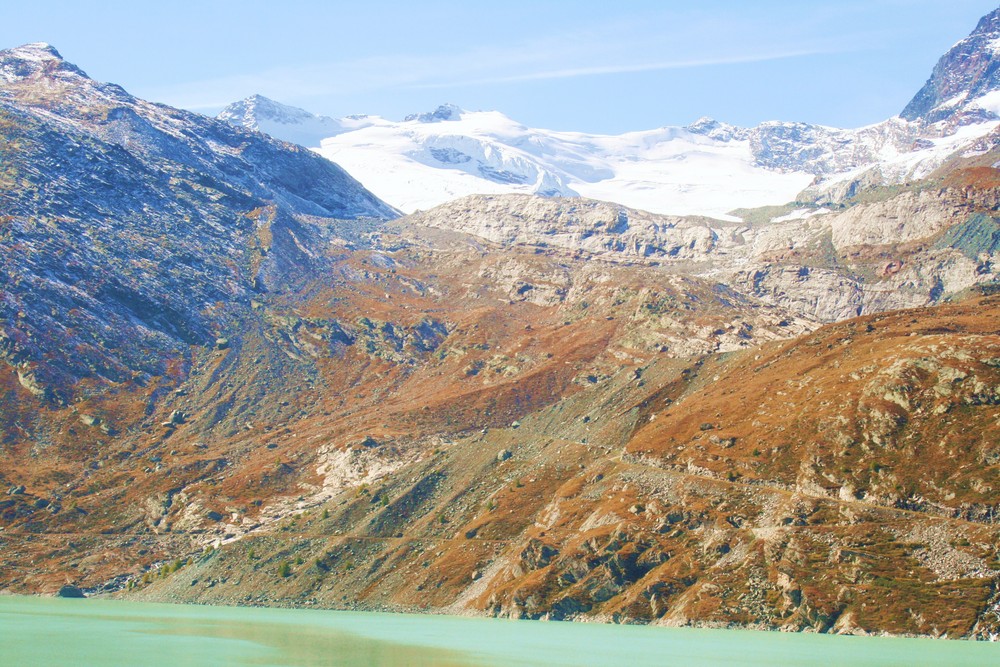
[
  {"x": 954, "y": 101},
  {"x": 801, "y": 214},
  {"x": 416, "y": 166},
  {"x": 988, "y": 102}
]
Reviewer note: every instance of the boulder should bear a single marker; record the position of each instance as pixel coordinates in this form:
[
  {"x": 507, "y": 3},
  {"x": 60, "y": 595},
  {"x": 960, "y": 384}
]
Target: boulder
[
  {"x": 90, "y": 420},
  {"x": 70, "y": 591}
]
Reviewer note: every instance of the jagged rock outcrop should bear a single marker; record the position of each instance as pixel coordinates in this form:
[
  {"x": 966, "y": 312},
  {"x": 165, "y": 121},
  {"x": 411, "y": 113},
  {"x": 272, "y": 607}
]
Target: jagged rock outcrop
[
  {"x": 443, "y": 112},
  {"x": 896, "y": 249},
  {"x": 825, "y": 151},
  {"x": 599, "y": 228},
  {"x": 960, "y": 86}
]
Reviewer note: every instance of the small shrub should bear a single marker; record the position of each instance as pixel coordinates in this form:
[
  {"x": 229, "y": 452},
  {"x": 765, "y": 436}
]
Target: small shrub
[{"x": 284, "y": 569}]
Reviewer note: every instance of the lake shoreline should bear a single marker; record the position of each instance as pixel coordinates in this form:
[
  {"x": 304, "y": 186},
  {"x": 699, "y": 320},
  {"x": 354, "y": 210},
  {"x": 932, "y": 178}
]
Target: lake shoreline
[
  {"x": 360, "y": 607},
  {"x": 579, "y": 619},
  {"x": 105, "y": 632}
]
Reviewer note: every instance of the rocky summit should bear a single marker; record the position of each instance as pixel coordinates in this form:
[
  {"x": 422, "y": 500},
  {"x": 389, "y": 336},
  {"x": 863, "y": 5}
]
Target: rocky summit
[
  {"x": 231, "y": 374},
  {"x": 961, "y": 84}
]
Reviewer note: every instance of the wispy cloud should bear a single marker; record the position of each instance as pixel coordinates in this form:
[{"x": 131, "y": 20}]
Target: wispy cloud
[
  {"x": 655, "y": 43},
  {"x": 598, "y": 70}
]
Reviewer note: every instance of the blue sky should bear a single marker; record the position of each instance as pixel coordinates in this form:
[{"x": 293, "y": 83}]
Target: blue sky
[{"x": 582, "y": 65}]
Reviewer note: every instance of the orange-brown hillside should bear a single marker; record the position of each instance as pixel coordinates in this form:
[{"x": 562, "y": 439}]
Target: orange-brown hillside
[{"x": 700, "y": 491}]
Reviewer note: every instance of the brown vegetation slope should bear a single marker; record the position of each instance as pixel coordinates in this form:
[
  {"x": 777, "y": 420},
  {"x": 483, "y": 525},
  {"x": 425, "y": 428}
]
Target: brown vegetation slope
[
  {"x": 841, "y": 482},
  {"x": 392, "y": 352}
]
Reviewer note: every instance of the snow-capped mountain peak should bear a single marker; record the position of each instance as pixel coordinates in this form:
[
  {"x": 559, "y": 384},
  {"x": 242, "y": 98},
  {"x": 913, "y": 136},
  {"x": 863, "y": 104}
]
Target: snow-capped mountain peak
[
  {"x": 714, "y": 129},
  {"x": 35, "y": 59},
  {"x": 443, "y": 112},
  {"x": 257, "y": 107},
  {"x": 282, "y": 121},
  {"x": 37, "y": 51}
]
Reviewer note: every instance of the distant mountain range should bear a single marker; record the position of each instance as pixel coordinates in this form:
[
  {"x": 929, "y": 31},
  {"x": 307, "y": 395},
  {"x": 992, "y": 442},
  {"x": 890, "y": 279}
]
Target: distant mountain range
[{"x": 707, "y": 168}]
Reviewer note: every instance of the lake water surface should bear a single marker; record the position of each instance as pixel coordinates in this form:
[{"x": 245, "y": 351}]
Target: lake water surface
[{"x": 50, "y": 631}]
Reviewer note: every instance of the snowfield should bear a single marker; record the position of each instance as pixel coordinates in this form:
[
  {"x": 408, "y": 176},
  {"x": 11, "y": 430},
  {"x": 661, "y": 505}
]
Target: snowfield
[
  {"x": 708, "y": 168},
  {"x": 416, "y": 165},
  {"x": 431, "y": 158}
]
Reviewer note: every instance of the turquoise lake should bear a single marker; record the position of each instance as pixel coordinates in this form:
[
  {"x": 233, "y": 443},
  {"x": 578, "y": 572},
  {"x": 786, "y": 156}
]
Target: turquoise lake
[{"x": 49, "y": 631}]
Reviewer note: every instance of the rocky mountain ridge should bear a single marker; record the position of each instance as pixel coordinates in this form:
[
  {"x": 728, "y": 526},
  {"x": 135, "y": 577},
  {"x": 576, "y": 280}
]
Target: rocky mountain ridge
[
  {"x": 823, "y": 264},
  {"x": 162, "y": 221}
]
